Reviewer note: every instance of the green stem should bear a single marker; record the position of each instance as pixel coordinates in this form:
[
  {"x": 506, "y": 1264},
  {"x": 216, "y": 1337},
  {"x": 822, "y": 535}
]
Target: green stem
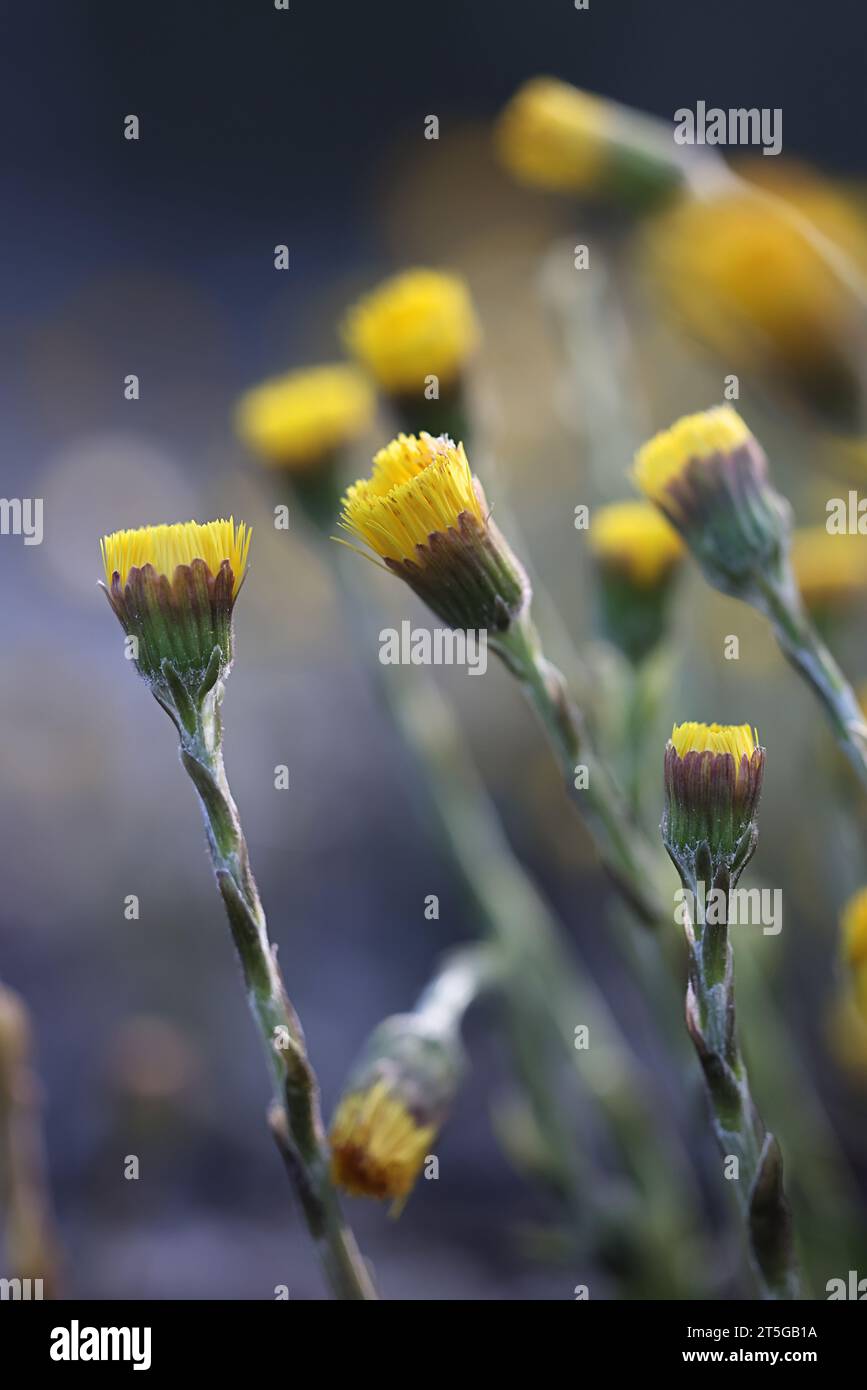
[
  {"x": 778, "y": 598},
  {"x": 621, "y": 844},
  {"x": 295, "y": 1117},
  {"x": 740, "y": 1132}
]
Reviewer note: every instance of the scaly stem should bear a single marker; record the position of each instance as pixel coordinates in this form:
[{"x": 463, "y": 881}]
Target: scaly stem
[
  {"x": 622, "y": 847},
  {"x": 740, "y": 1132},
  {"x": 778, "y": 598},
  {"x": 295, "y": 1116}
]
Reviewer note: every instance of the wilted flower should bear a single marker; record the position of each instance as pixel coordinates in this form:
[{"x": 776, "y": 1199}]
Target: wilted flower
[
  {"x": 709, "y": 475},
  {"x": 713, "y": 780},
  {"x": 425, "y": 515},
  {"x": 636, "y": 553},
  {"x": 555, "y": 136},
  {"x": 417, "y": 325},
  {"x": 394, "y": 1105},
  {"x": 301, "y": 420},
  {"x": 174, "y": 588}
]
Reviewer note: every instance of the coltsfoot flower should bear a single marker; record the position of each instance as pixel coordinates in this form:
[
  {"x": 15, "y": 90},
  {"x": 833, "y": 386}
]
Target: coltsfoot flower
[
  {"x": 742, "y": 274},
  {"x": 300, "y": 421},
  {"x": 713, "y": 781},
  {"x": 552, "y": 135},
  {"x": 709, "y": 475},
  {"x": 636, "y": 553},
  {"x": 393, "y": 1107},
  {"x": 425, "y": 515},
  {"x": 173, "y": 589},
  {"x": 417, "y": 325}
]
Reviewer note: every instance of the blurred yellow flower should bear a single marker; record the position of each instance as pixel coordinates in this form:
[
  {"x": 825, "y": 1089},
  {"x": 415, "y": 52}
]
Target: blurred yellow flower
[
  {"x": 167, "y": 547},
  {"x": 636, "y": 540},
  {"x": 377, "y": 1147},
  {"x": 417, "y": 324},
  {"x": 831, "y": 570},
  {"x": 745, "y": 278},
  {"x": 660, "y": 461},
  {"x": 300, "y": 420},
  {"x": 554, "y": 135},
  {"x": 418, "y": 486}
]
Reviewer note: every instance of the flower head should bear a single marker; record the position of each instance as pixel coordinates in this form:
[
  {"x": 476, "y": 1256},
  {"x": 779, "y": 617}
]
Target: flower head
[
  {"x": 713, "y": 781},
  {"x": 393, "y": 1107},
  {"x": 173, "y": 589},
  {"x": 555, "y": 136},
  {"x": 301, "y": 420},
  {"x": 423, "y": 513},
  {"x": 378, "y": 1147},
  {"x": 636, "y": 553},
  {"x": 708, "y": 474},
  {"x": 416, "y": 325},
  {"x": 633, "y": 539},
  {"x": 742, "y": 273}
]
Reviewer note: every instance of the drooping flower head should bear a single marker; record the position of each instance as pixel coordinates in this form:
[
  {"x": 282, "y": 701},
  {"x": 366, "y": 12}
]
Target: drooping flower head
[
  {"x": 300, "y": 421},
  {"x": 393, "y": 1107},
  {"x": 417, "y": 325},
  {"x": 636, "y": 554},
  {"x": 425, "y": 515},
  {"x": 713, "y": 781},
  {"x": 554, "y": 136},
  {"x": 173, "y": 589},
  {"x": 709, "y": 475}
]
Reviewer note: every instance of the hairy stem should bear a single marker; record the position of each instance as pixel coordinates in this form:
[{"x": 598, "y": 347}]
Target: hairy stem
[
  {"x": 779, "y": 599},
  {"x": 295, "y": 1117},
  {"x": 739, "y": 1129}
]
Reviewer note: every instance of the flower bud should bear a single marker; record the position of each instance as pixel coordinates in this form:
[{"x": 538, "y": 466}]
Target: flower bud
[
  {"x": 173, "y": 588},
  {"x": 713, "y": 780},
  {"x": 709, "y": 475}
]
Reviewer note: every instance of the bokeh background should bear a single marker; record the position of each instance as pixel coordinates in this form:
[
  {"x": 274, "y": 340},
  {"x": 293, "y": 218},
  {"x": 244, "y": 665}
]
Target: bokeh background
[{"x": 155, "y": 257}]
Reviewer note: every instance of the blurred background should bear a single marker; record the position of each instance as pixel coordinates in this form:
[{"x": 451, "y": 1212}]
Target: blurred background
[{"x": 156, "y": 257}]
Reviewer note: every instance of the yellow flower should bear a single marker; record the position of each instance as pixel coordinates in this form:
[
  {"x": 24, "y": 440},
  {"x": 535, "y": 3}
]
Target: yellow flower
[
  {"x": 830, "y": 570},
  {"x": 853, "y": 927},
  {"x": 555, "y": 136},
  {"x": 636, "y": 541},
  {"x": 745, "y": 277},
  {"x": 417, "y": 324},
  {"x": 418, "y": 486},
  {"x": 694, "y": 437},
  {"x": 301, "y": 419},
  {"x": 425, "y": 515},
  {"x": 182, "y": 542},
  {"x": 377, "y": 1147},
  {"x": 173, "y": 589}
]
